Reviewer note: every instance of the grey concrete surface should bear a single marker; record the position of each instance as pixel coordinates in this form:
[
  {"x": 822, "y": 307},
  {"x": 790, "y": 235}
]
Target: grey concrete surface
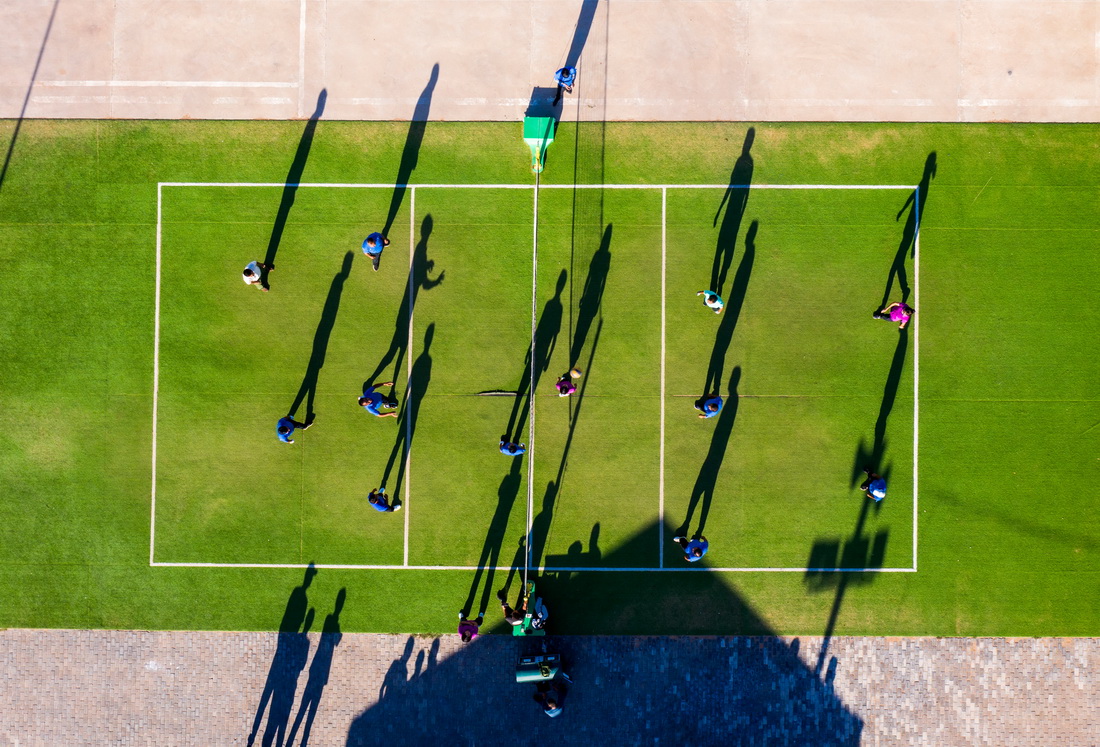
[
  {"x": 142, "y": 688},
  {"x": 728, "y": 60}
]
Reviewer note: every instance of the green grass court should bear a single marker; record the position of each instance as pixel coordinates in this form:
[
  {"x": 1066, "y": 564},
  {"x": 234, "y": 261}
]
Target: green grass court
[{"x": 983, "y": 416}]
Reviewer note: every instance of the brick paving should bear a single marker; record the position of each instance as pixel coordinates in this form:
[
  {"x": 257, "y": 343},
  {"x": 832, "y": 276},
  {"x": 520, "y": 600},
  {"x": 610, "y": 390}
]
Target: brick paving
[{"x": 144, "y": 688}]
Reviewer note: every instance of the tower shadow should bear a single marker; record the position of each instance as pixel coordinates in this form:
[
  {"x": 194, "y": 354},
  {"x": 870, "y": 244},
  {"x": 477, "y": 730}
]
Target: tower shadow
[
  {"x": 546, "y": 337},
  {"x": 319, "y": 670},
  {"x": 410, "y": 154},
  {"x": 293, "y": 179},
  {"x": 320, "y": 340},
  {"x": 703, "y": 490},
  {"x": 735, "y": 200},
  {"x": 494, "y": 537},
  {"x": 27, "y": 97},
  {"x": 916, "y": 203},
  {"x": 873, "y": 458},
  {"x": 406, "y": 420},
  {"x": 291, "y": 652},
  {"x": 724, "y": 335},
  {"x": 419, "y": 280}
]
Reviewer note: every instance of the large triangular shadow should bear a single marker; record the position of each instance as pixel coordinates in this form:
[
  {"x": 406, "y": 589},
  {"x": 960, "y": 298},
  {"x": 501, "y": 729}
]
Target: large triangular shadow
[{"x": 645, "y": 688}]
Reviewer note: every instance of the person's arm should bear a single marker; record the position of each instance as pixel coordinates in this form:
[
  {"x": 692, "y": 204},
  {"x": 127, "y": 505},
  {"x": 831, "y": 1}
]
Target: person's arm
[{"x": 902, "y": 325}]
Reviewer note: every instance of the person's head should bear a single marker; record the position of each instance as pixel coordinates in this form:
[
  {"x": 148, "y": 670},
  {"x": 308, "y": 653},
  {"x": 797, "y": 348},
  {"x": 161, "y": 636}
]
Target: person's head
[
  {"x": 712, "y": 406},
  {"x": 372, "y": 242},
  {"x": 364, "y": 401},
  {"x": 467, "y": 634},
  {"x": 908, "y": 309},
  {"x": 696, "y": 552},
  {"x": 373, "y": 497},
  {"x": 712, "y": 298},
  {"x": 248, "y": 272},
  {"x": 551, "y": 702},
  {"x": 284, "y": 429}
]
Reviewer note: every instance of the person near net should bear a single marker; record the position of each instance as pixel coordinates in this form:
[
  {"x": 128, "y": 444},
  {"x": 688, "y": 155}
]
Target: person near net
[
  {"x": 256, "y": 272},
  {"x": 372, "y": 400},
  {"x": 895, "y": 312},
  {"x": 709, "y": 406},
  {"x": 510, "y": 448},
  {"x": 373, "y": 246},
  {"x": 565, "y": 77},
  {"x": 512, "y": 616},
  {"x": 380, "y": 502},
  {"x": 565, "y": 383}
]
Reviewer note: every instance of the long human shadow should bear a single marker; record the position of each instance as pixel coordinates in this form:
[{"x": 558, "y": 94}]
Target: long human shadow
[
  {"x": 703, "y": 490},
  {"x": 419, "y": 280},
  {"x": 873, "y": 458},
  {"x": 854, "y": 563},
  {"x": 546, "y": 338},
  {"x": 27, "y": 97},
  {"x": 591, "y": 296},
  {"x": 293, "y": 179},
  {"x": 734, "y": 200},
  {"x": 319, "y": 670},
  {"x": 410, "y": 154},
  {"x": 580, "y": 33},
  {"x": 406, "y": 419},
  {"x": 320, "y": 340},
  {"x": 494, "y": 536},
  {"x": 916, "y": 203},
  {"x": 724, "y": 335},
  {"x": 540, "y": 524},
  {"x": 398, "y": 673},
  {"x": 291, "y": 652}
]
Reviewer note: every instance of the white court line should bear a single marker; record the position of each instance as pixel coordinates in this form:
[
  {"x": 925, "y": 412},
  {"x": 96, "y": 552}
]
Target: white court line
[
  {"x": 530, "y": 498},
  {"x": 546, "y": 569},
  {"x": 162, "y": 84},
  {"x": 156, "y": 386},
  {"x": 352, "y": 185},
  {"x": 916, "y": 360},
  {"x": 409, "y": 369},
  {"x": 661, "y": 459}
]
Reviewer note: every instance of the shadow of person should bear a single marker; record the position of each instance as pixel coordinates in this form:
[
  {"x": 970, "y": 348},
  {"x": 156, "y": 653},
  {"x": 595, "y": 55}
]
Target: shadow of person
[
  {"x": 27, "y": 97},
  {"x": 546, "y": 338},
  {"x": 732, "y": 312},
  {"x": 293, "y": 178},
  {"x": 735, "y": 200},
  {"x": 708, "y": 474},
  {"x": 406, "y": 421},
  {"x": 320, "y": 340},
  {"x": 319, "y": 671},
  {"x": 398, "y": 674},
  {"x": 291, "y": 652},
  {"x": 873, "y": 459},
  {"x": 916, "y": 203},
  {"x": 591, "y": 295},
  {"x": 494, "y": 537},
  {"x": 411, "y": 152},
  {"x": 580, "y": 33},
  {"x": 419, "y": 280}
]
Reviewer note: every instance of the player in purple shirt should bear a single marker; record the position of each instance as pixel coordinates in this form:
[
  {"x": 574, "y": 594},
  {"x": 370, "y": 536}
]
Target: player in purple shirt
[
  {"x": 895, "y": 312},
  {"x": 467, "y": 629},
  {"x": 694, "y": 549}
]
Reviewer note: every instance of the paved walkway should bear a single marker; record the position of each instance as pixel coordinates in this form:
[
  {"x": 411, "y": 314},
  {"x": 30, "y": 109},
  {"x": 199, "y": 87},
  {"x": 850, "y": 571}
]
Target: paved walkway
[
  {"x": 742, "y": 60},
  {"x": 141, "y": 688}
]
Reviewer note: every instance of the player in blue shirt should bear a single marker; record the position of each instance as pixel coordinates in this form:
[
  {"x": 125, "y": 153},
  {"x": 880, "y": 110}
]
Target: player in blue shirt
[
  {"x": 694, "y": 549},
  {"x": 372, "y": 400},
  {"x": 565, "y": 79},
  {"x": 377, "y": 499},
  {"x": 709, "y": 406},
  {"x": 874, "y": 485},
  {"x": 373, "y": 246},
  {"x": 285, "y": 428},
  {"x": 507, "y": 448}
]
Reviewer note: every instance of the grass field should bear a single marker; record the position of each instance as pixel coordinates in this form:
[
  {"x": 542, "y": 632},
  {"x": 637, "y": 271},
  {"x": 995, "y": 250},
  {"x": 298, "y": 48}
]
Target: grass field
[{"x": 982, "y": 415}]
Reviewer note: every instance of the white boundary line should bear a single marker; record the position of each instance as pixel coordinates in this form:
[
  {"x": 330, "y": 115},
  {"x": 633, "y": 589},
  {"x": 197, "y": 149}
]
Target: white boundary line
[
  {"x": 549, "y": 569},
  {"x": 156, "y": 388},
  {"x": 409, "y": 370},
  {"x": 661, "y": 452},
  {"x": 916, "y": 359},
  {"x": 350, "y": 185},
  {"x": 531, "y": 427}
]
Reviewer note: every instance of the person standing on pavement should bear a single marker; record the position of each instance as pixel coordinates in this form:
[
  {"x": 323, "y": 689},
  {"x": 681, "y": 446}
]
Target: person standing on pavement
[
  {"x": 373, "y": 246},
  {"x": 565, "y": 78},
  {"x": 467, "y": 629}
]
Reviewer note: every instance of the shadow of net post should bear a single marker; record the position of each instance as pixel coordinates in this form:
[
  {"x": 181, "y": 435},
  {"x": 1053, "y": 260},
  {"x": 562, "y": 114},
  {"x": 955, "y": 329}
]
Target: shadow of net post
[
  {"x": 291, "y": 652},
  {"x": 410, "y": 154},
  {"x": 735, "y": 200},
  {"x": 703, "y": 489},
  {"x": 419, "y": 279},
  {"x": 406, "y": 420},
  {"x": 732, "y": 312},
  {"x": 27, "y": 97},
  {"x": 293, "y": 179},
  {"x": 308, "y": 390},
  {"x": 319, "y": 670},
  {"x": 915, "y": 203}
]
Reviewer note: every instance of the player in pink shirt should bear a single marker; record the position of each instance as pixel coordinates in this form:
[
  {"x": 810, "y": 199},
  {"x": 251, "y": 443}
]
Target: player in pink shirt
[{"x": 896, "y": 312}]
